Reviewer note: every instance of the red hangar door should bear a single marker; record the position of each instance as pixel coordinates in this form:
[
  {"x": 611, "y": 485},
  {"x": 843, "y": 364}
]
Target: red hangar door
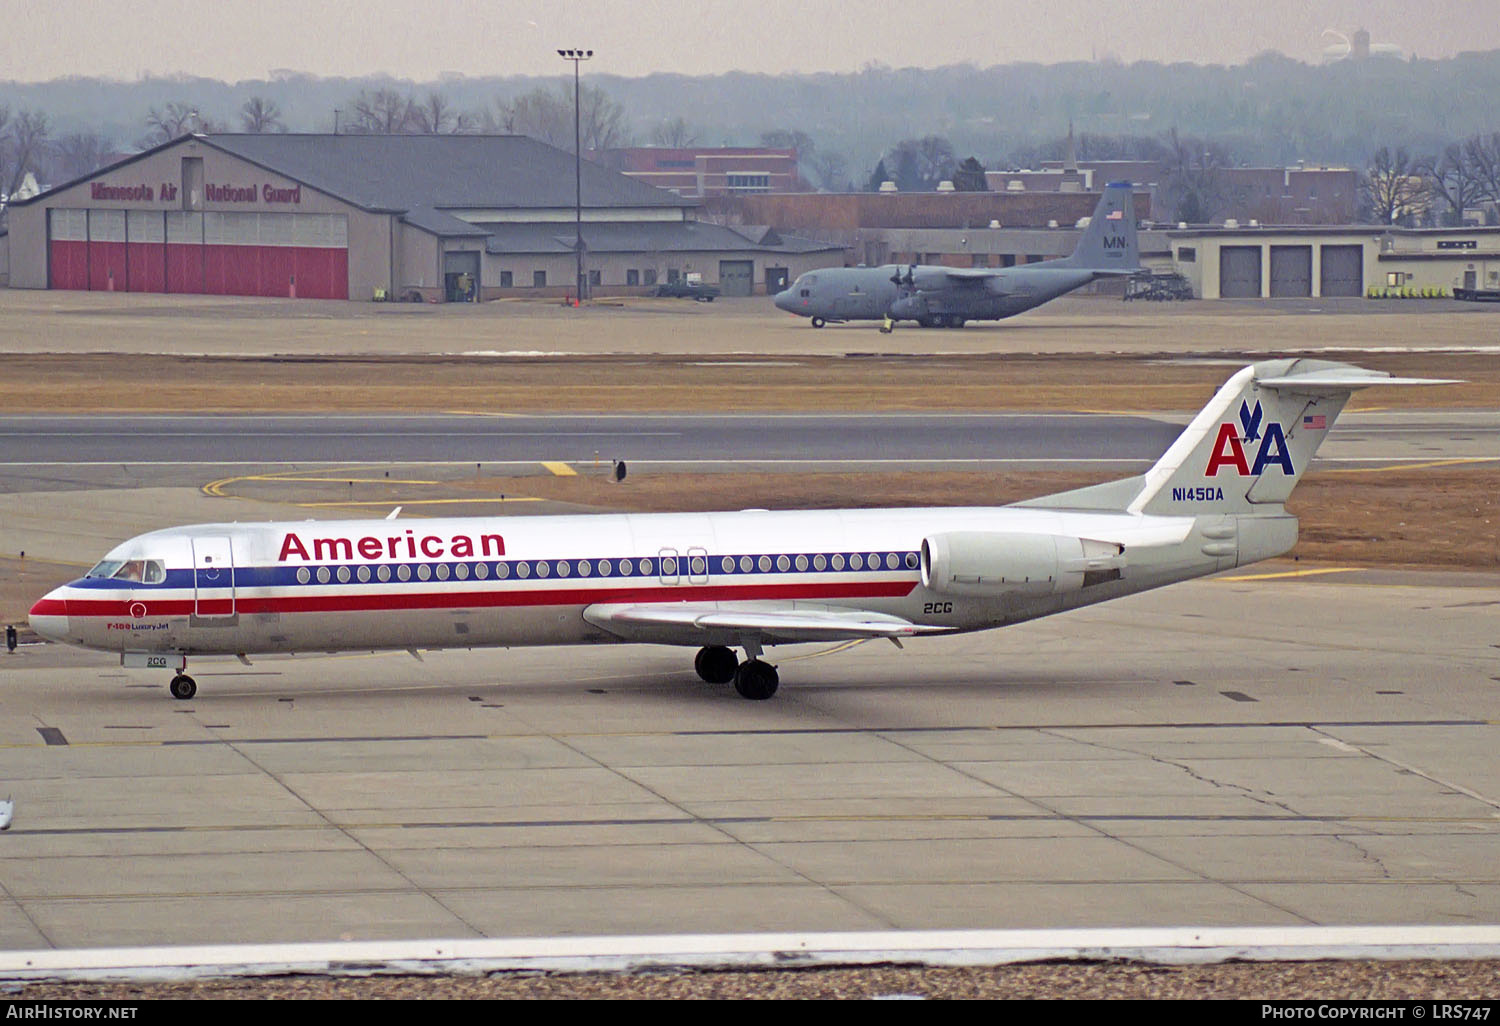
[{"x": 227, "y": 254}]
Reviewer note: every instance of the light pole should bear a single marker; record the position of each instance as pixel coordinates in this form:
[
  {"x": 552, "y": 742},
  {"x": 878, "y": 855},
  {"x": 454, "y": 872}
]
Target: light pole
[{"x": 577, "y": 57}]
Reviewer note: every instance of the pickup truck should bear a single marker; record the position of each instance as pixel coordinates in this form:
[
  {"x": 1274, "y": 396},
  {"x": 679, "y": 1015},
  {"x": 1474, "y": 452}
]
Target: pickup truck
[{"x": 698, "y": 290}]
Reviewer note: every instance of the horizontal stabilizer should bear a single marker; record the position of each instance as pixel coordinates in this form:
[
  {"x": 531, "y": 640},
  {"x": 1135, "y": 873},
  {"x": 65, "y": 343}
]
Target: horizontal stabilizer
[{"x": 1346, "y": 380}]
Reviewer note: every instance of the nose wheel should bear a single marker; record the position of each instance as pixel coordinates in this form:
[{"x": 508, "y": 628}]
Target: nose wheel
[{"x": 183, "y": 686}]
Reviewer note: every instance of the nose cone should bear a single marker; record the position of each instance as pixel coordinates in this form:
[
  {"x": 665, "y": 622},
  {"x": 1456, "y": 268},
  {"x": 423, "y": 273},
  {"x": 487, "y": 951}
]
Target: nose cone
[
  {"x": 783, "y": 301},
  {"x": 49, "y": 617}
]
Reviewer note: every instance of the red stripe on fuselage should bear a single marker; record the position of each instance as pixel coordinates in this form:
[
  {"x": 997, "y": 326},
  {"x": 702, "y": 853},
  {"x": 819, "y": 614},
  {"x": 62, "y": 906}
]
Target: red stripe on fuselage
[{"x": 387, "y": 601}]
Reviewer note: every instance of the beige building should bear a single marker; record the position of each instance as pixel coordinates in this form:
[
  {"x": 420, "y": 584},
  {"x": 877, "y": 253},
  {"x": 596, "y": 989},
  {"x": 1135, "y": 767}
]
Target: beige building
[
  {"x": 456, "y": 217},
  {"x": 1268, "y": 262}
]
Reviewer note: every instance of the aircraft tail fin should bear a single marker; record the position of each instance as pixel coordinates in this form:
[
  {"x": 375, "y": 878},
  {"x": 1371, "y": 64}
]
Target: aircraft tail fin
[
  {"x": 1246, "y": 450},
  {"x": 1108, "y": 244}
]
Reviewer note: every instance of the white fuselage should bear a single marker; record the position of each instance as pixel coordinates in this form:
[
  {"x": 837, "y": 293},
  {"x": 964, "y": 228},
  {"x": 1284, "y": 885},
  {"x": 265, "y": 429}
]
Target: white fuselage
[{"x": 319, "y": 586}]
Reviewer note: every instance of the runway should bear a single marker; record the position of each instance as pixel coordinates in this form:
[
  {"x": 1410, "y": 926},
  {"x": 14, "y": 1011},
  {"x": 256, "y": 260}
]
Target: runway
[
  {"x": 1256, "y": 751},
  {"x": 47, "y": 452}
]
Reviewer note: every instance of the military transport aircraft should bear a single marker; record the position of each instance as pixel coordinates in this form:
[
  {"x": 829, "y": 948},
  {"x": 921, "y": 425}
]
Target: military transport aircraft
[
  {"x": 947, "y": 297},
  {"x": 717, "y": 581}
]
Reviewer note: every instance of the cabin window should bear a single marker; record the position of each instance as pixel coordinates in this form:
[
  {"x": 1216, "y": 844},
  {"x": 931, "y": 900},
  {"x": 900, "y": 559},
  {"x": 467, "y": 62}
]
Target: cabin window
[
  {"x": 383, "y": 573},
  {"x": 403, "y": 572},
  {"x": 783, "y": 564},
  {"x": 746, "y": 564},
  {"x": 543, "y": 568},
  {"x": 764, "y": 563},
  {"x": 442, "y": 571},
  {"x": 481, "y": 571},
  {"x": 461, "y": 571},
  {"x": 838, "y": 561},
  {"x": 856, "y": 562},
  {"x": 605, "y": 568},
  {"x": 892, "y": 561},
  {"x": 819, "y": 562},
  {"x": 502, "y": 571},
  {"x": 583, "y": 568},
  {"x": 343, "y": 575},
  {"x": 523, "y": 570},
  {"x": 363, "y": 573},
  {"x": 303, "y": 575}
]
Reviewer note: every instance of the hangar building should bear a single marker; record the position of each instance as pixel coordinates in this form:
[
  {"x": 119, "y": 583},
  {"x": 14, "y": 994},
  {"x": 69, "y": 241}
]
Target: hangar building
[
  {"x": 1277, "y": 261},
  {"x": 378, "y": 216}
]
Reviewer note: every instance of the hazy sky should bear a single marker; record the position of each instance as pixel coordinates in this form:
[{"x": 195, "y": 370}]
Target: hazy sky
[{"x": 43, "y": 39}]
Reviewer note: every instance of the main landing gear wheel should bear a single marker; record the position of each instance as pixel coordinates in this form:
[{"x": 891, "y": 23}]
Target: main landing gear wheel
[
  {"x": 756, "y": 680},
  {"x": 716, "y": 664},
  {"x": 818, "y": 322},
  {"x": 183, "y": 686}
]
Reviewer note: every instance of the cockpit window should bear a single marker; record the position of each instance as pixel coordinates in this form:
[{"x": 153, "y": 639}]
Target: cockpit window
[{"x": 143, "y": 571}]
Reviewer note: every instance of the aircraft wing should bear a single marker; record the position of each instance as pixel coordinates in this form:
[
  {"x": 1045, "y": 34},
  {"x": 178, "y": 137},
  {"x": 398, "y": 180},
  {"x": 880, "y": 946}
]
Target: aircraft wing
[
  {"x": 967, "y": 274},
  {"x": 698, "y": 622}
]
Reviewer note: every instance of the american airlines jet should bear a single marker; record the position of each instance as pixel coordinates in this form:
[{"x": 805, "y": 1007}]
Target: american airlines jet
[{"x": 717, "y": 581}]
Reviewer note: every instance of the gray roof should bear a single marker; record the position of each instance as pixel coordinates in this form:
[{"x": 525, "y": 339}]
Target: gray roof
[
  {"x": 403, "y": 172},
  {"x": 638, "y": 237}
]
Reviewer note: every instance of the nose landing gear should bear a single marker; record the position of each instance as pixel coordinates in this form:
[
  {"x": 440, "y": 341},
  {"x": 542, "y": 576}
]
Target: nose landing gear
[{"x": 183, "y": 686}]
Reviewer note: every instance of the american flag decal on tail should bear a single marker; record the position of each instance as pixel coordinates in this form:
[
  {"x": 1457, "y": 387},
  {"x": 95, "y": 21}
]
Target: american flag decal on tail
[{"x": 1315, "y": 422}]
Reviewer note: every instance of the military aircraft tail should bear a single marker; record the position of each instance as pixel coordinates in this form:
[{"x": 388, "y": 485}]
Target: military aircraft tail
[
  {"x": 1109, "y": 245},
  {"x": 1246, "y": 450}
]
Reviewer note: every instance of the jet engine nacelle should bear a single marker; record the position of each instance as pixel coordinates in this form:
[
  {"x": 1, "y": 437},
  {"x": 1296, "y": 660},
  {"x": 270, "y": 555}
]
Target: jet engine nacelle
[{"x": 985, "y": 564}]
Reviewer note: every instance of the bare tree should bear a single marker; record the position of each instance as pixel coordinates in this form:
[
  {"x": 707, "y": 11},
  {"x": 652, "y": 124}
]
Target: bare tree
[
  {"x": 1195, "y": 187},
  {"x": 548, "y": 116},
  {"x": 789, "y": 139},
  {"x": 383, "y": 112},
  {"x": 831, "y": 171},
  {"x": 176, "y": 119},
  {"x": 1392, "y": 187},
  {"x": 437, "y": 116},
  {"x": 23, "y": 146},
  {"x": 81, "y": 153},
  {"x": 918, "y": 165},
  {"x": 1451, "y": 176},
  {"x": 259, "y": 115},
  {"x": 674, "y": 134},
  {"x": 1482, "y": 154}
]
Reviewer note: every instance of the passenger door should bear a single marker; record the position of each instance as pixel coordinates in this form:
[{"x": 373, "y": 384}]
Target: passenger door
[{"x": 213, "y": 577}]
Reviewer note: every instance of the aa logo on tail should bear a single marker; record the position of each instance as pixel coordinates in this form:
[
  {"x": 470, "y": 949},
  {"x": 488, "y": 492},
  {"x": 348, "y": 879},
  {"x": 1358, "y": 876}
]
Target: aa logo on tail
[{"x": 1229, "y": 446}]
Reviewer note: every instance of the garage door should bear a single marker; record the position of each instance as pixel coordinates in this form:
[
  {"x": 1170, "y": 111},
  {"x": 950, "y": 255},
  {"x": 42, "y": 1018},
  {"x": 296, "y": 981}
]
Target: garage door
[
  {"x": 1291, "y": 271},
  {"x": 233, "y": 254},
  {"x": 736, "y": 277},
  {"x": 1343, "y": 271},
  {"x": 1239, "y": 272}
]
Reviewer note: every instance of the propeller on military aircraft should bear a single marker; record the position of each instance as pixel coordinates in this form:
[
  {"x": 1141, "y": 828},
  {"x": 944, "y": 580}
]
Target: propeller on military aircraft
[{"x": 909, "y": 280}]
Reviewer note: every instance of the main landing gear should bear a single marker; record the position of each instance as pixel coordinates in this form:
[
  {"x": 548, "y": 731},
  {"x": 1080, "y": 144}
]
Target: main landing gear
[
  {"x": 183, "y": 686},
  {"x": 753, "y": 679}
]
